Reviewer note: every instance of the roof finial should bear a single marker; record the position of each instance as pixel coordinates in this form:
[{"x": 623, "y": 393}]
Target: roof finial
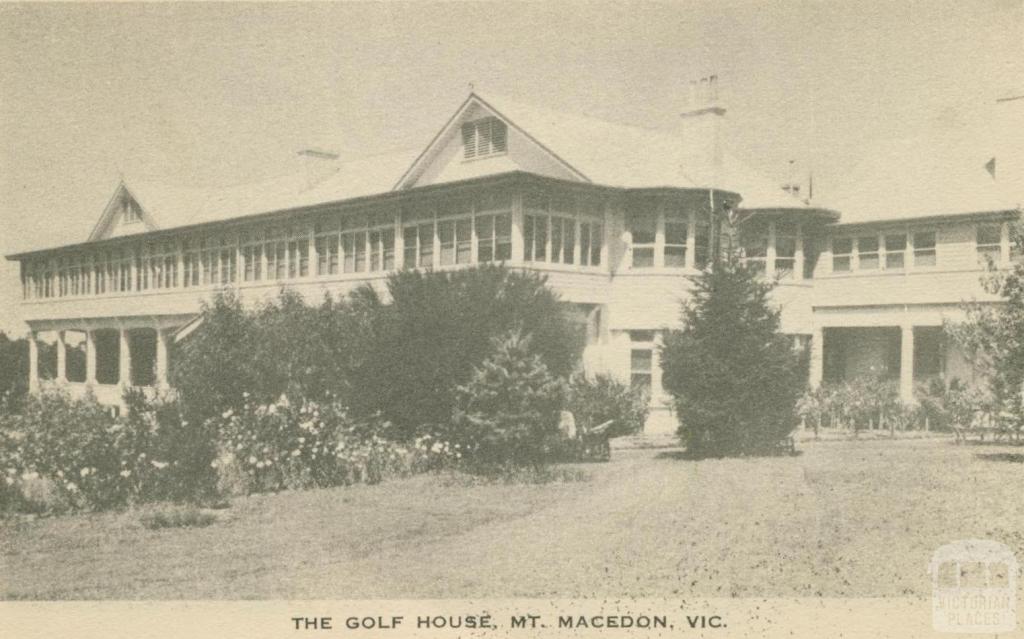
[{"x": 471, "y": 87}]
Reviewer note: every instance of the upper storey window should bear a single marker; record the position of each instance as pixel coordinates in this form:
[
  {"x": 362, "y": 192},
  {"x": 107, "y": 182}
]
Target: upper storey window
[
  {"x": 924, "y": 248},
  {"x": 484, "y": 137},
  {"x": 884, "y": 251},
  {"x": 989, "y": 240},
  {"x": 643, "y": 229},
  {"x": 130, "y": 211}
]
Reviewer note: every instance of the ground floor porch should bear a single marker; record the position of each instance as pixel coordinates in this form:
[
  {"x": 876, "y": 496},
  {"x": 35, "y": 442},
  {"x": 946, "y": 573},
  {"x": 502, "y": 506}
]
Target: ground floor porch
[
  {"x": 102, "y": 356},
  {"x": 907, "y": 345}
]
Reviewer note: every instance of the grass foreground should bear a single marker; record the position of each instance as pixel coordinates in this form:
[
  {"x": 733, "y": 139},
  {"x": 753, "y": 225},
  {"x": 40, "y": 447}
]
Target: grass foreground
[{"x": 841, "y": 519}]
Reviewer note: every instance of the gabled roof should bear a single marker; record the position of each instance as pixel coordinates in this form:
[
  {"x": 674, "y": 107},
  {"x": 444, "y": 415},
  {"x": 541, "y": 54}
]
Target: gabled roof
[
  {"x": 943, "y": 171},
  {"x": 627, "y": 156},
  {"x": 591, "y": 149},
  {"x": 176, "y": 206},
  {"x": 108, "y": 217}
]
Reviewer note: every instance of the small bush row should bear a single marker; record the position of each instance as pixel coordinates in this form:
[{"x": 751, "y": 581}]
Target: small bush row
[{"x": 874, "y": 402}]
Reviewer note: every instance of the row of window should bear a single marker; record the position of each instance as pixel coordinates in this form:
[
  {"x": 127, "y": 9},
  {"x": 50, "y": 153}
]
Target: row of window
[
  {"x": 755, "y": 241},
  {"x": 552, "y": 233},
  {"x": 457, "y": 232},
  {"x": 649, "y": 248},
  {"x": 888, "y": 251},
  {"x": 995, "y": 245}
]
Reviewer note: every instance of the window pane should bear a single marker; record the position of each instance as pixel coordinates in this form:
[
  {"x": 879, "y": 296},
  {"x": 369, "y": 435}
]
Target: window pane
[
  {"x": 640, "y": 360},
  {"x": 410, "y": 248},
  {"x": 348, "y": 246},
  {"x": 784, "y": 268},
  {"x": 446, "y": 233},
  {"x": 360, "y": 246},
  {"x": 569, "y": 241},
  {"x": 585, "y": 243},
  {"x": 556, "y": 239},
  {"x": 464, "y": 241},
  {"x": 989, "y": 234},
  {"x": 867, "y": 244},
  {"x": 540, "y": 238},
  {"x": 702, "y": 244},
  {"x": 387, "y": 240},
  {"x": 894, "y": 261},
  {"x": 924, "y": 240},
  {"x": 641, "y": 336},
  {"x": 842, "y": 246},
  {"x": 675, "y": 233},
  {"x": 841, "y": 263},
  {"x": 675, "y": 256},
  {"x": 426, "y": 238},
  {"x": 375, "y": 248},
  {"x": 596, "y": 242},
  {"x": 785, "y": 247},
  {"x": 643, "y": 257},
  {"x": 895, "y": 242},
  {"x": 642, "y": 225},
  {"x": 503, "y": 237}
]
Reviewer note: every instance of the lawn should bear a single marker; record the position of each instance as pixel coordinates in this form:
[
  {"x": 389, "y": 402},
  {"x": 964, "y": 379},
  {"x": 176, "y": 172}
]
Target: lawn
[{"x": 844, "y": 518}]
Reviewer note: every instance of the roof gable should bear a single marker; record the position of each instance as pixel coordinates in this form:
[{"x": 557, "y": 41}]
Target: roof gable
[
  {"x": 444, "y": 160},
  {"x": 123, "y": 215}
]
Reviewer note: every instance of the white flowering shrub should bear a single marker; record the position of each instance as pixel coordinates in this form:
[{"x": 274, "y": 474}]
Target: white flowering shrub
[
  {"x": 75, "y": 446},
  {"x": 266, "y": 447},
  {"x": 59, "y": 453}
]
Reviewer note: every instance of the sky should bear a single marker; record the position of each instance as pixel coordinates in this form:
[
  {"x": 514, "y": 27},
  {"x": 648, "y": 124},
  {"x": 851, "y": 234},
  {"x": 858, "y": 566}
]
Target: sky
[{"x": 211, "y": 94}]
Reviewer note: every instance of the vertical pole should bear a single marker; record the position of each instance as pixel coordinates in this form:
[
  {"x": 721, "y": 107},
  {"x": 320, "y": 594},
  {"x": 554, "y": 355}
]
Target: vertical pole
[
  {"x": 161, "y": 358},
  {"x": 400, "y": 241},
  {"x": 817, "y": 363},
  {"x": 90, "y": 357},
  {"x": 62, "y": 358},
  {"x": 312, "y": 256},
  {"x": 518, "y": 252},
  {"x": 33, "y": 362},
  {"x": 124, "y": 368},
  {"x": 907, "y": 363},
  {"x": 691, "y": 240},
  {"x": 798, "y": 262},
  {"x": 770, "y": 253},
  {"x": 659, "y": 235}
]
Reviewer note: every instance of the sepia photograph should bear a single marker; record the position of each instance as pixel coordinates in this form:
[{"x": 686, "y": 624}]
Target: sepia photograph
[{"x": 480, "y": 319}]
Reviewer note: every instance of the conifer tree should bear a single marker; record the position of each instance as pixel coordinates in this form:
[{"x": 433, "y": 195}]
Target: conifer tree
[{"x": 733, "y": 376}]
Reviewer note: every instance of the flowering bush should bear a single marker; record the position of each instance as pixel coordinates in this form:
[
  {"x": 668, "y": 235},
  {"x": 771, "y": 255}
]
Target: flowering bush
[
  {"x": 284, "y": 445},
  {"x": 60, "y": 453},
  {"x": 74, "y": 444}
]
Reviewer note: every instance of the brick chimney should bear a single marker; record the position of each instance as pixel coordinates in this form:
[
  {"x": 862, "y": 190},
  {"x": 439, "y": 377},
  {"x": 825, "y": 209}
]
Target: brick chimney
[{"x": 702, "y": 126}]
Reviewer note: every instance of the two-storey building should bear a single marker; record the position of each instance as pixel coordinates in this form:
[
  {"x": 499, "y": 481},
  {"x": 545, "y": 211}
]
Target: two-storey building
[{"x": 617, "y": 217}]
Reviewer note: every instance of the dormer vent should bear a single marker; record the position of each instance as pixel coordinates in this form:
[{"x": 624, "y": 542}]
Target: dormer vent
[{"x": 484, "y": 137}]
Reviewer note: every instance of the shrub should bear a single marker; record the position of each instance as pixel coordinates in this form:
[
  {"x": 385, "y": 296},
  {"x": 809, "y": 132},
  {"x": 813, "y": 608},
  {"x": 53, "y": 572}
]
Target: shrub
[
  {"x": 62, "y": 453},
  {"x": 13, "y": 372},
  {"x": 598, "y": 399},
  {"x": 507, "y": 414},
  {"x": 215, "y": 365},
  {"x": 72, "y": 443},
  {"x": 266, "y": 447},
  {"x": 438, "y": 327},
  {"x": 178, "y": 452},
  {"x": 991, "y": 335},
  {"x": 734, "y": 377}
]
